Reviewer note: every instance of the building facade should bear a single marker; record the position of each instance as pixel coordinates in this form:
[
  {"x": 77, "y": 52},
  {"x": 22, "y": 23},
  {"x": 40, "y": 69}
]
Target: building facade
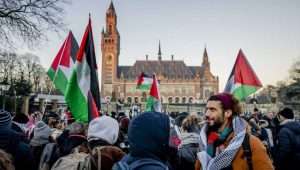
[{"x": 179, "y": 83}]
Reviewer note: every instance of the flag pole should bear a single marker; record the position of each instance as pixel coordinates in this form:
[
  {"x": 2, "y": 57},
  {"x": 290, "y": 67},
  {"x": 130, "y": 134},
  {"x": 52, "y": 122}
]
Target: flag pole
[{"x": 55, "y": 75}]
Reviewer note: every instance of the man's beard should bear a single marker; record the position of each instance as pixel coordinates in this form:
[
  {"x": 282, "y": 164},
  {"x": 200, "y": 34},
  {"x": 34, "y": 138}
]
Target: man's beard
[
  {"x": 218, "y": 122},
  {"x": 215, "y": 127}
]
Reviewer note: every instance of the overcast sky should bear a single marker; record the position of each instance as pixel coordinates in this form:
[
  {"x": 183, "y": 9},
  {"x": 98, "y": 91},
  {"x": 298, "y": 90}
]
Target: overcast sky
[{"x": 268, "y": 31}]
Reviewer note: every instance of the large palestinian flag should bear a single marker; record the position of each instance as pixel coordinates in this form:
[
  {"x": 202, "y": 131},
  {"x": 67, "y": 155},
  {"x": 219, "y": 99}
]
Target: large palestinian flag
[
  {"x": 242, "y": 81},
  {"x": 82, "y": 95},
  {"x": 62, "y": 65}
]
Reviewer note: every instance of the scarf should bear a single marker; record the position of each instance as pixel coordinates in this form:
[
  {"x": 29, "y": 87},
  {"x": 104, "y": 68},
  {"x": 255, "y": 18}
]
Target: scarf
[
  {"x": 189, "y": 138},
  {"x": 225, "y": 158},
  {"x": 215, "y": 139}
]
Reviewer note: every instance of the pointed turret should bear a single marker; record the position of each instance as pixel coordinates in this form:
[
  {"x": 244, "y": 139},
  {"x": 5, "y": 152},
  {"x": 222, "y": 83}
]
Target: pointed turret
[
  {"x": 111, "y": 19},
  {"x": 103, "y": 31},
  {"x": 205, "y": 61},
  {"x": 111, "y": 8},
  {"x": 159, "y": 51}
]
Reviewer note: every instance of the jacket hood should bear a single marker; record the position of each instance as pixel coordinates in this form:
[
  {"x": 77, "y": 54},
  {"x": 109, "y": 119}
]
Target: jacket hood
[
  {"x": 148, "y": 135},
  {"x": 293, "y": 126},
  {"x": 189, "y": 138}
]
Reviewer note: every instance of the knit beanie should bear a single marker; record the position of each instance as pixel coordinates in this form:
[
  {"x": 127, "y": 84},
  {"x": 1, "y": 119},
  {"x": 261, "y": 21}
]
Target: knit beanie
[
  {"x": 287, "y": 113},
  {"x": 104, "y": 128},
  {"x": 5, "y": 119},
  {"x": 225, "y": 99},
  {"x": 42, "y": 131}
]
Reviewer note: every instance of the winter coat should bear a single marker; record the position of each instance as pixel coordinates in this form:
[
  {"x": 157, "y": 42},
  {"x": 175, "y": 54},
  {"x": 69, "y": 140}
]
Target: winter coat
[
  {"x": 260, "y": 159},
  {"x": 13, "y": 143},
  {"x": 148, "y": 137},
  {"x": 187, "y": 152},
  {"x": 37, "y": 153},
  {"x": 287, "y": 148},
  {"x": 109, "y": 154},
  {"x": 68, "y": 142}
]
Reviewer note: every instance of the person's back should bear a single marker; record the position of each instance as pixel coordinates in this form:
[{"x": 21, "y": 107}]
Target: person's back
[
  {"x": 149, "y": 143},
  {"x": 187, "y": 152},
  {"x": 102, "y": 135},
  {"x": 41, "y": 134},
  {"x": 13, "y": 143},
  {"x": 287, "y": 150}
]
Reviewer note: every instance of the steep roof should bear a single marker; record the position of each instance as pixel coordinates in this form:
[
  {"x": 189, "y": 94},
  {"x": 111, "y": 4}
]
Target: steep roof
[{"x": 171, "y": 69}]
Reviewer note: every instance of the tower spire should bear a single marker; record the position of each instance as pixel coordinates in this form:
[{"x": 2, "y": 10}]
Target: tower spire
[
  {"x": 111, "y": 6},
  {"x": 159, "y": 51},
  {"x": 205, "y": 61}
]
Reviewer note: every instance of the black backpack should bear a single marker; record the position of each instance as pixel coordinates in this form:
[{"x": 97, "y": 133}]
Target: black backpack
[{"x": 247, "y": 151}]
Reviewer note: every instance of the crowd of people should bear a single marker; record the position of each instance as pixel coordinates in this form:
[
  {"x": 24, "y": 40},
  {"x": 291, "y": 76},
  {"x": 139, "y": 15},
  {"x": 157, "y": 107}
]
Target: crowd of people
[{"x": 222, "y": 139}]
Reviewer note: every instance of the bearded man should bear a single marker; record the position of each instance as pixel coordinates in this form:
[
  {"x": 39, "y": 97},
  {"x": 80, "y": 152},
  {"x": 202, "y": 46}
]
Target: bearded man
[{"x": 225, "y": 139}]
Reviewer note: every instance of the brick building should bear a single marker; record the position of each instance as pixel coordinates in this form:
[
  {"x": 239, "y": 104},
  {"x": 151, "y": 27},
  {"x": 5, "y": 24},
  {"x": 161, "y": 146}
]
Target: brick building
[{"x": 179, "y": 83}]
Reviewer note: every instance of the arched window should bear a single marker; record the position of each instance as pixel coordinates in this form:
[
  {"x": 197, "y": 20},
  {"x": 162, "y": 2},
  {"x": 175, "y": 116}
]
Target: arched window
[
  {"x": 129, "y": 100},
  {"x": 113, "y": 96},
  {"x": 183, "y": 100},
  {"x": 177, "y": 100},
  {"x": 191, "y": 99},
  {"x": 144, "y": 97},
  {"x": 136, "y": 99},
  {"x": 170, "y": 99}
]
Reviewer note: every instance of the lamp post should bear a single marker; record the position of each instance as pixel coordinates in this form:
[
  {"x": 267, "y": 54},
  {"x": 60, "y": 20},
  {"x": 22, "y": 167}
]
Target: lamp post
[{"x": 4, "y": 86}]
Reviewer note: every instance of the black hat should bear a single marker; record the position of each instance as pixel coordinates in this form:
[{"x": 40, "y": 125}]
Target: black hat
[
  {"x": 287, "y": 113},
  {"x": 5, "y": 119}
]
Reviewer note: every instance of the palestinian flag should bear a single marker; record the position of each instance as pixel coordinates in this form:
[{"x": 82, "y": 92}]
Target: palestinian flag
[
  {"x": 62, "y": 65},
  {"x": 144, "y": 82},
  {"x": 82, "y": 95},
  {"x": 242, "y": 81},
  {"x": 153, "y": 101}
]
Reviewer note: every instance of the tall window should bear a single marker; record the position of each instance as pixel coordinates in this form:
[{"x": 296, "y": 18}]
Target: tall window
[
  {"x": 129, "y": 100},
  {"x": 177, "y": 100},
  {"x": 191, "y": 100},
  {"x": 136, "y": 99},
  {"x": 170, "y": 99},
  {"x": 144, "y": 97},
  {"x": 183, "y": 100},
  {"x": 207, "y": 93}
]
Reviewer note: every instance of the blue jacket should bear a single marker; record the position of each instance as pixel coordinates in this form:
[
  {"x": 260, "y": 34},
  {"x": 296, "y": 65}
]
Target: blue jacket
[
  {"x": 13, "y": 143},
  {"x": 287, "y": 148}
]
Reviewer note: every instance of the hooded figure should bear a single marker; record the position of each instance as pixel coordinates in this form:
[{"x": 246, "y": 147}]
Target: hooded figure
[
  {"x": 102, "y": 135},
  {"x": 41, "y": 136},
  {"x": 187, "y": 152},
  {"x": 73, "y": 136},
  {"x": 148, "y": 136},
  {"x": 13, "y": 143},
  {"x": 287, "y": 147}
]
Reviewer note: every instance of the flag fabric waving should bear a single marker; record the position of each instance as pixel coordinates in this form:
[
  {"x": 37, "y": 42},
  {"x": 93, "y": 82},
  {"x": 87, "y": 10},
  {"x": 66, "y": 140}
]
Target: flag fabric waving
[
  {"x": 82, "y": 95},
  {"x": 62, "y": 65},
  {"x": 242, "y": 81},
  {"x": 153, "y": 101},
  {"x": 144, "y": 82}
]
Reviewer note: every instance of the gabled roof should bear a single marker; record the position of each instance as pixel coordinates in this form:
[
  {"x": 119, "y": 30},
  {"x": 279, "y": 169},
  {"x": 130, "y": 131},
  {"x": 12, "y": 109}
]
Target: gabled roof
[{"x": 166, "y": 68}]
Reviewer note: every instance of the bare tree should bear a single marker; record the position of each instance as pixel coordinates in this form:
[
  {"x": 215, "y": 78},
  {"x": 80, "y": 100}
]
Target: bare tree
[
  {"x": 295, "y": 71},
  {"x": 29, "y": 20}
]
